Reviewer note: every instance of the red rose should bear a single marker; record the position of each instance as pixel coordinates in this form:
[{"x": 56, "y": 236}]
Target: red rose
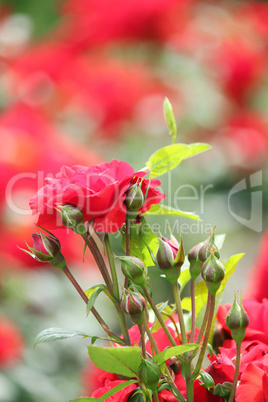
[
  {"x": 121, "y": 396},
  {"x": 254, "y": 384},
  {"x": 99, "y": 191}
]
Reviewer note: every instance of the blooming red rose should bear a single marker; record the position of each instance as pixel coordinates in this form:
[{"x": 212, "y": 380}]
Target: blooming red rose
[
  {"x": 99, "y": 191},
  {"x": 253, "y": 385},
  {"x": 121, "y": 396}
]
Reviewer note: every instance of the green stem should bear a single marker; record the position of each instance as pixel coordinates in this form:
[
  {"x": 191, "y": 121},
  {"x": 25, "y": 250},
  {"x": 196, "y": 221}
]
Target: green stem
[
  {"x": 193, "y": 323},
  {"x": 91, "y": 244},
  {"x": 143, "y": 346},
  {"x": 150, "y": 336},
  {"x": 127, "y": 248},
  {"x": 236, "y": 374},
  {"x": 120, "y": 312},
  {"x": 74, "y": 282},
  {"x": 211, "y": 300},
  {"x": 170, "y": 381},
  {"x": 159, "y": 317},
  {"x": 123, "y": 323},
  {"x": 112, "y": 266},
  {"x": 204, "y": 322},
  {"x": 127, "y": 237},
  {"x": 155, "y": 395},
  {"x": 176, "y": 294},
  {"x": 189, "y": 383}
]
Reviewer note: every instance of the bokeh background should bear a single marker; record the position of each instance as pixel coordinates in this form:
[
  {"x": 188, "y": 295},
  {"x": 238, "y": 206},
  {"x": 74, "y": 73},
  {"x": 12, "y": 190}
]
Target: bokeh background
[{"x": 83, "y": 82}]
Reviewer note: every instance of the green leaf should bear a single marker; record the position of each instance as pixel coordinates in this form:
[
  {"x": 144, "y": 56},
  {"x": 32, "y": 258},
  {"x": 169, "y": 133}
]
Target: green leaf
[
  {"x": 92, "y": 294},
  {"x": 197, "y": 148},
  {"x": 169, "y": 157},
  {"x": 170, "y": 119},
  {"x": 174, "y": 351},
  {"x": 162, "y": 210},
  {"x": 219, "y": 240},
  {"x": 55, "y": 334},
  {"x": 207, "y": 380},
  {"x": 82, "y": 399},
  {"x": 121, "y": 361},
  {"x": 230, "y": 268},
  {"x": 184, "y": 278},
  {"x": 141, "y": 236},
  {"x": 201, "y": 291},
  {"x": 116, "y": 389},
  {"x": 223, "y": 390},
  {"x": 166, "y": 159}
]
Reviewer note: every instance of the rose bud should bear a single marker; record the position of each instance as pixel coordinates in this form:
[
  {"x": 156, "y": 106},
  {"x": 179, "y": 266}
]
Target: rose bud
[
  {"x": 149, "y": 373},
  {"x": 72, "y": 217},
  {"x": 134, "y": 305},
  {"x": 133, "y": 269},
  {"x": 209, "y": 247},
  {"x": 195, "y": 262},
  {"x": 237, "y": 321},
  {"x": 200, "y": 253},
  {"x": 170, "y": 257},
  {"x": 213, "y": 273},
  {"x": 46, "y": 249},
  {"x": 134, "y": 198}
]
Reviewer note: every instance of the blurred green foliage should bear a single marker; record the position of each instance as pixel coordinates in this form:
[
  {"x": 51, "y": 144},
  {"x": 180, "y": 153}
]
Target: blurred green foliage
[{"x": 44, "y": 15}]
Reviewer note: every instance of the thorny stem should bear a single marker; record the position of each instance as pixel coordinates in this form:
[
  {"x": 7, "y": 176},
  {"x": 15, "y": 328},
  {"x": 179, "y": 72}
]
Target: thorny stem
[
  {"x": 127, "y": 247},
  {"x": 193, "y": 311},
  {"x": 159, "y": 317},
  {"x": 143, "y": 350},
  {"x": 168, "y": 376},
  {"x": 236, "y": 374},
  {"x": 123, "y": 323},
  {"x": 204, "y": 322},
  {"x": 74, "y": 282},
  {"x": 150, "y": 336},
  {"x": 176, "y": 293},
  {"x": 211, "y": 301},
  {"x": 91, "y": 244},
  {"x": 112, "y": 266},
  {"x": 111, "y": 286}
]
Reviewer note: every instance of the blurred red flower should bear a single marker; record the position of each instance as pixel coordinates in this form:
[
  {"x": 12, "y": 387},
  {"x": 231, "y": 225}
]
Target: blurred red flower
[
  {"x": 93, "y": 23},
  {"x": 244, "y": 139},
  {"x": 11, "y": 343},
  {"x": 258, "y": 276},
  {"x": 29, "y": 147}
]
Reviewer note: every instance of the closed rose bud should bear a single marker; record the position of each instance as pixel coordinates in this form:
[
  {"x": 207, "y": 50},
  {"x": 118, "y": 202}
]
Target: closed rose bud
[
  {"x": 170, "y": 257},
  {"x": 72, "y": 217},
  {"x": 195, "y": 262},
  {"x": 208, "y": 247},
  {"x": 213, "y": 273},
  {"x": 46, "y": 248},
  {"x": 149, "y": 373},
  {"x": 133, "y": 269},
  {"x": 237, "y": 321},
  {"x": 134, "y": 198},
  {"x": 134, "y": 305}
]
